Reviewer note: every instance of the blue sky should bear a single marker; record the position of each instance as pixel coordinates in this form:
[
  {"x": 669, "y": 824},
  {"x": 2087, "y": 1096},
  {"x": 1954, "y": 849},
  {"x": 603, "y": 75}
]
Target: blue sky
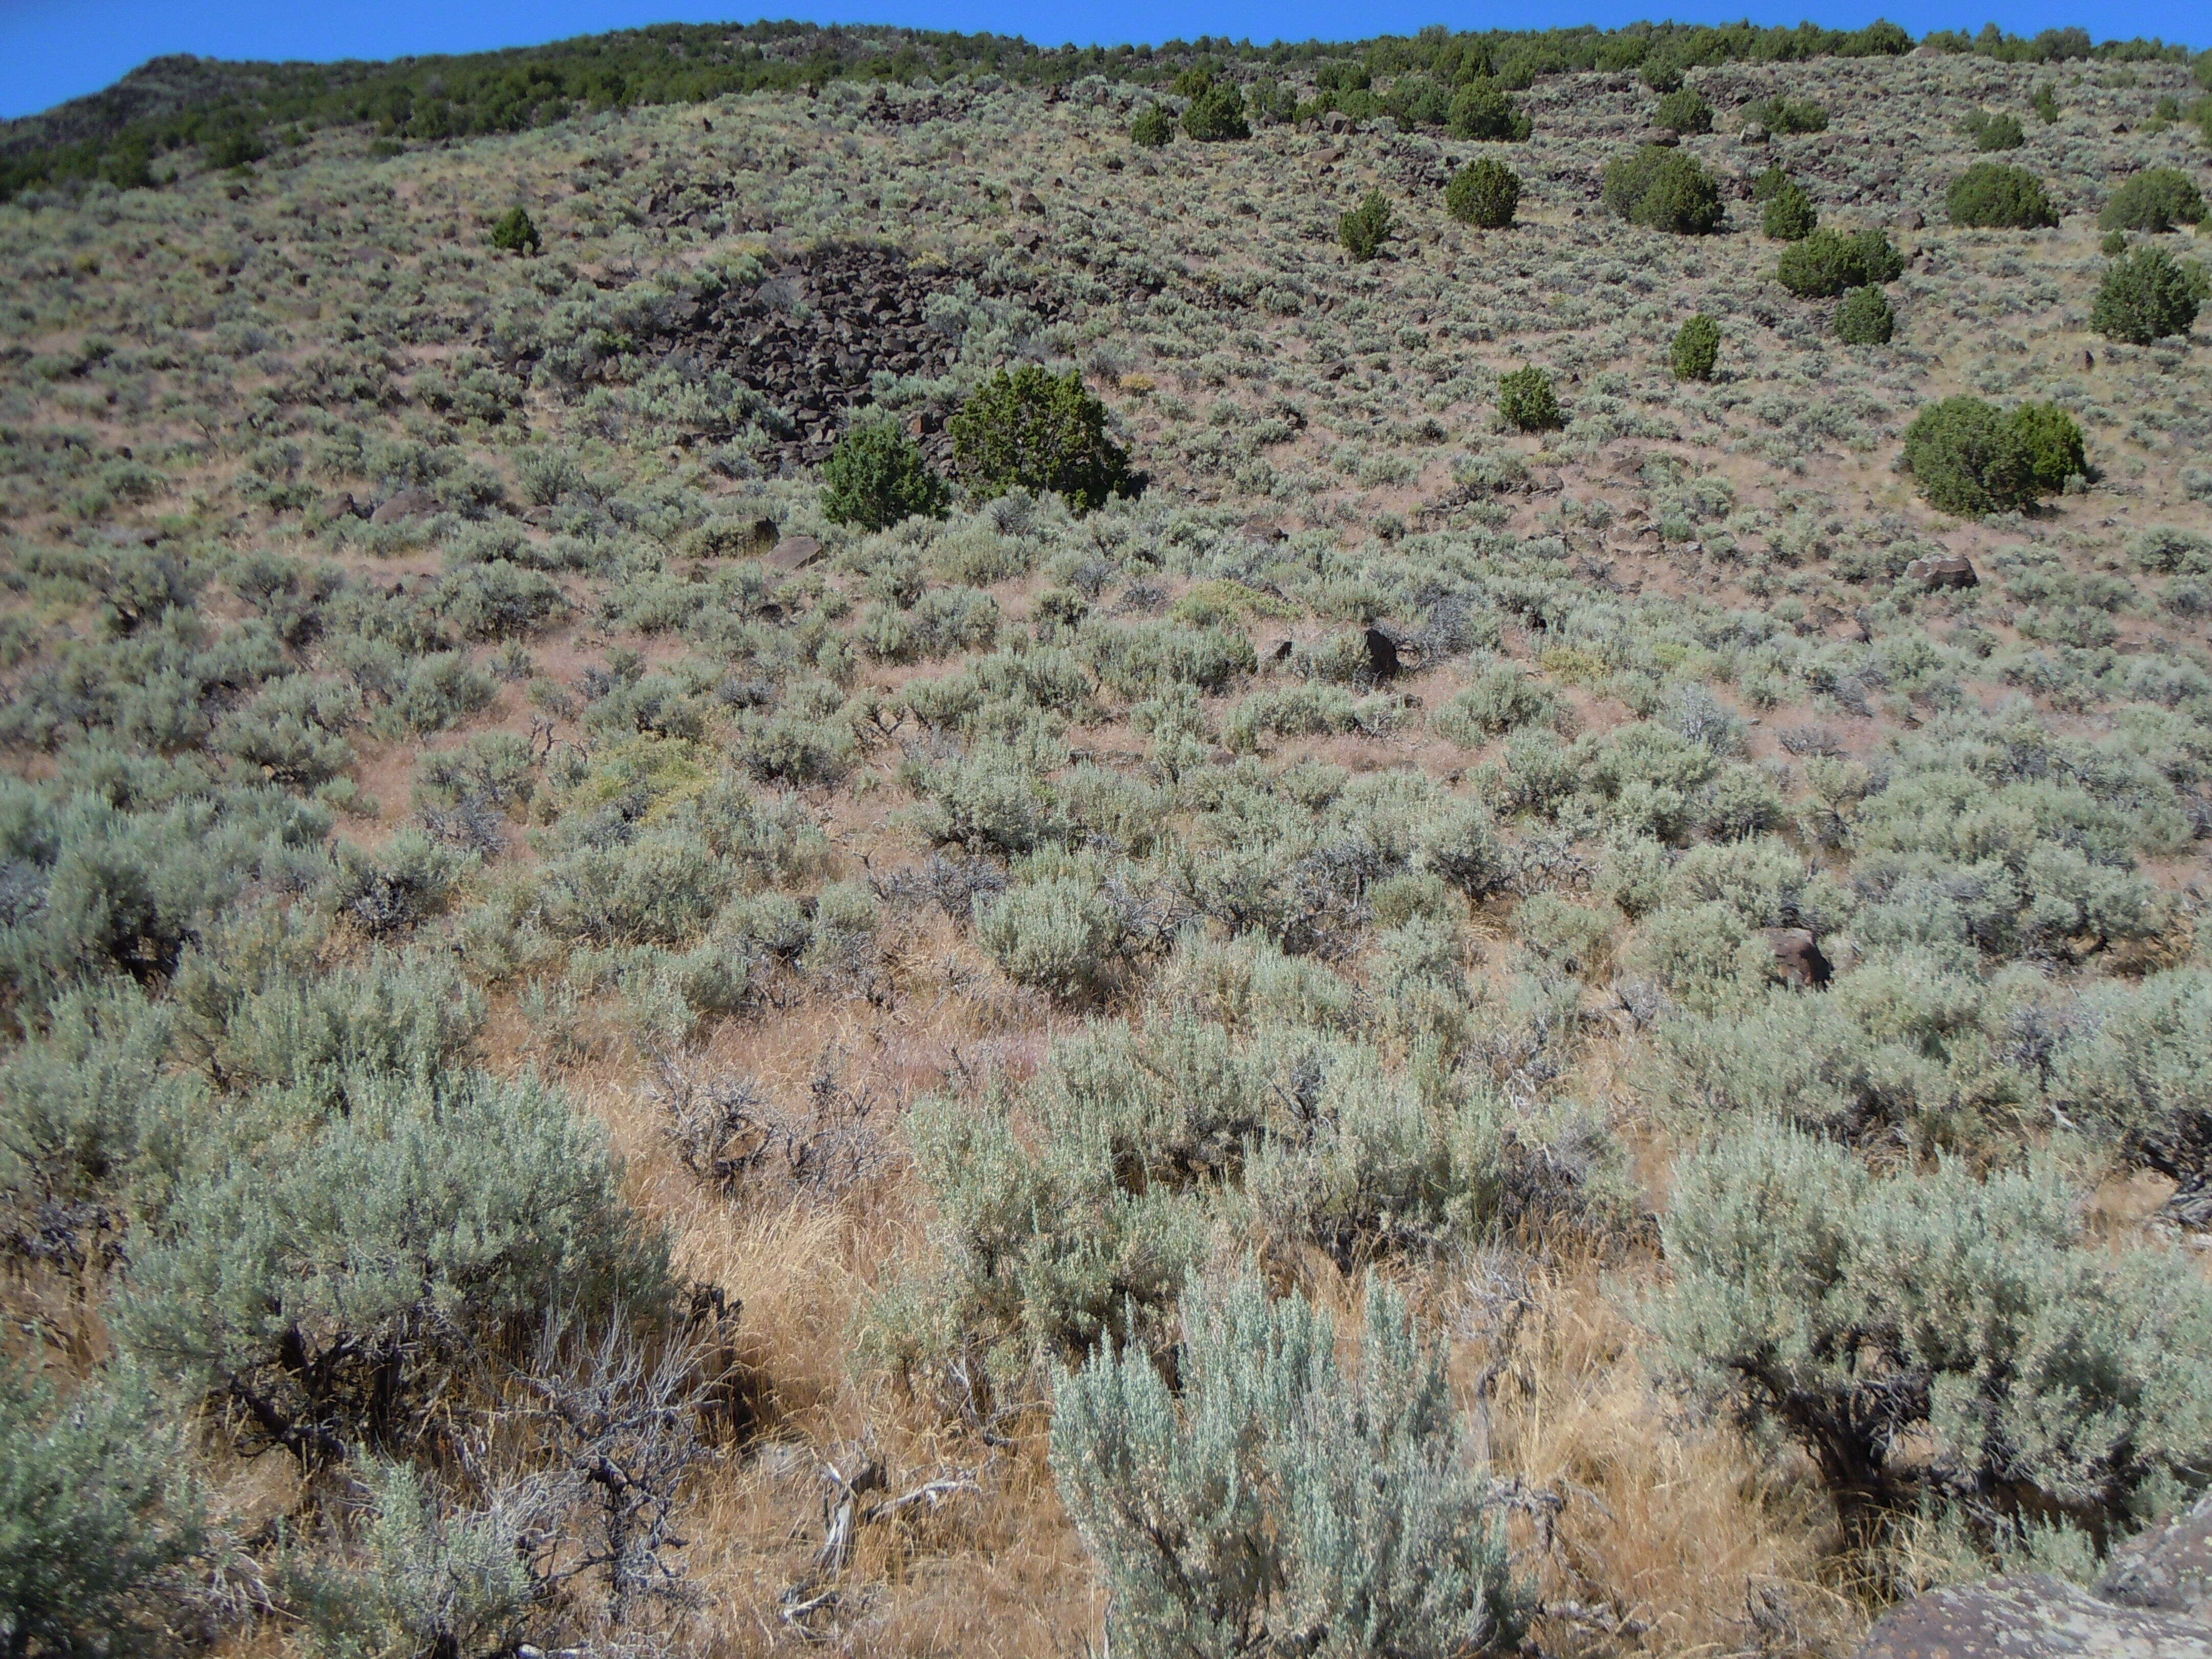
[{"x": 52, "y": 50}]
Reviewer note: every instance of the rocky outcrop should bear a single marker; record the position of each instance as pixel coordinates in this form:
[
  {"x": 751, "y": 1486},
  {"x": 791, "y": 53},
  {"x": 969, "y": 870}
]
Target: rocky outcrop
[
  {"x": 1946, "y": 570},
  {"x": 2155, "y": 1602}
]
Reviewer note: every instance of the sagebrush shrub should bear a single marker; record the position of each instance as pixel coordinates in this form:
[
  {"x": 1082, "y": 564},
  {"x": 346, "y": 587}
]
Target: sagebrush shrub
[
  {"x": 2033, "y": 1372},
  {"x": 98, "y": 1512},
  {"x": 1031, "y": 429},
  {"x": 2145, "y": 295},
  {"x": 1270, "y": 1500},
  {"x": 1864, "y": 317},
  {"x": 1483, "y": 193},
  {"x": 1991, "y": 196},
  {"x": 1527, "y": 401},
  {"x": 1062, "y": 935},
  {"x": 876, "y": 478},
  {"x": 1662, "y": 189},
  {"x": 1696, "y": 350}
]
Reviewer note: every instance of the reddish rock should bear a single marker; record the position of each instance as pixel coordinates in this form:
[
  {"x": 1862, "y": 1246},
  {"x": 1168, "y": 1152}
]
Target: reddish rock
[
  {"x": 406, "y": 506},
  {"x": 1798, "y": 957},
  {"x": 1947, "y": 570},
  {"x": 794, "y": 553}
]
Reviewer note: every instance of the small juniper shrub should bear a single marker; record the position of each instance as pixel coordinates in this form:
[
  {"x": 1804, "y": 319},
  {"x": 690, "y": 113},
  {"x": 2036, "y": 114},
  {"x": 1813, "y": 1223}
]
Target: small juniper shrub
[
  {"x": 1153, "y": 127},
  {"x": 2145, "y": 295},
  {"x": 1789, "y": 215},
  {"x": 1528, "y": 400},
  {"x": 1482, "y": 110},
  {"x": 1216, "y": 115},
  {"x": 516, "y": 233},
  {"x": 1697, "y": 348},
  {"x": 876, "y": 478},
  {"x": 1662, "y": 189},
  {"x": 1027, "y": 428},
  {"x": 1484, "y": 194},
  {"x": 1785, "y": 114},
  {"x": 1970, "y": 459},
  {"x": 2154, "y": 200},
  {"x": 1864, "y": 317},
  {"x": 1991, "y": 196},
  {"x": 1686, "y": 111},
  {"x": 1993, "y": 133},
  {"x": 1364, "y": 229},
  {"x": 1826, "y": 262}
]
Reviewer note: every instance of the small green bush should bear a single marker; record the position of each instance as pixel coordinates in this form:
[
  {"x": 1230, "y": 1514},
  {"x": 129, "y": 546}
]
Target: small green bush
[
  {"x": 1269, "y": 1502},
  {"x": 1784, "y": 114},
  {"x": 1684, "y": 110},
  {"x": 1483, "y": 193},
  {"x": 1662, "y": 189},
  {"x": 1789, "y": 215},
  {"x": 1696, "y": 351},
  {"x": 1364, "y": 228},
  {"x": 1826, "y": 262},
  {"x": 876, "y": 478},
  {"x": 2154, "y": 200},
  {"x": 516, "y": 233},
  {"x": 1482, "y": 110},
  {"x": 1216, "y": 115},
  {"x": 1970, "y": 459},
  {"x": 1992, "y": 133},
  {"x": 1031, "y": 429},
  {"x": 2145, "y": 295},
  {"x": 2114, "y": 244},
  {"x": 1153, "y": 128},
  {"x": 1864, "y": 317},
  {"x": 1990, "y": 196},
  {"x": 1528, "y": 400}
]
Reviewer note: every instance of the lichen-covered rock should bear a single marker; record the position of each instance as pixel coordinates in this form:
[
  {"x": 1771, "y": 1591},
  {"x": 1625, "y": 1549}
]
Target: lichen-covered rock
[
  {"x": 2169, "y": 1569},
  {"x": 2032, "y": 1616}
]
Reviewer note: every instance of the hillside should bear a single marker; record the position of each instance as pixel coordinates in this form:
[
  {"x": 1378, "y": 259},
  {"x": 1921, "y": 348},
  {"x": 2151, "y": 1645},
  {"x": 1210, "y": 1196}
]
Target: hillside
[{"x": 1473, "y": 937}]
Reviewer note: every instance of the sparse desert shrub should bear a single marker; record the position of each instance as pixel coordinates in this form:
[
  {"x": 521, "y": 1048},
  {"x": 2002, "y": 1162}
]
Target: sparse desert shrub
[
  {"x": 516, "y": 232},
  {"x": 1991, "y": 196},
  {"x": 1501, "y": 698},
  {"x": 1270, "y": 1499},
  {"x": 877, "y": 478},
  {"x": 1789, "y": 215},
  {"x": 1684, "y": 110},
  {"x": 1864, "y": 317},
  {"x": 1483, "y": 193},
  {"x": 1289, "y": 711},
  {"x": 2034, "y": 1372},
  {"x": 1781, "y": 114},
  {"x": 1696, "y": 349},
  {"x": 498, "y": 600},
  {"x": 1463, "y": 845},
  {"x": 1662, "y": 189},
  {"x": 1154, "y": 127},
  {"x": 2154, "y": 200},
  {"x": 1217, "y": 114},
  {"x": 1482, "y": 110},
  {"x": 2145, "y": 295},
  {"x": 98, "y": 1512},
  {"x": 323, "y": 1293},
  {"x": 1993, "y": 133},
  {"x": 1826, "y": 263},
  {"x": 1364, "y": 229},
  {"x": 1062, "y": 935},
  {"x": 1526, "y": 400},
  {"x": 1031, "y": 429},
  {"x": 1969, "y": 459}
]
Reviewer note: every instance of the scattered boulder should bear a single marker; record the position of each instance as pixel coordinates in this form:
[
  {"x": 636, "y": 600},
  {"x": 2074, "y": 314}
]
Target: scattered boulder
[
  {"x": 1029, "y": 201},
  {"x": 1382, "y": 654},
  {"x": 1798, "y": 957},
  {"x": 1281, "y": 651},
  {"x": 1326, "y": 157},
  {"x": 2032, "y": 1616},
  {"x": 405, "y": 506},
  {"x": 1264, "y": 531},
  {"x": 794, "y": 553},
  {"x": 1755, "y": 132},
  {"x": 2088, "y": 361},
  {"x": 1665, "y": 137},
  {"x": 2168, "y": 1570},
  {"x": 1946, "y": 570},
  {"x": 1913, "y": 219},
  {"x": 1336, "y": 121}
]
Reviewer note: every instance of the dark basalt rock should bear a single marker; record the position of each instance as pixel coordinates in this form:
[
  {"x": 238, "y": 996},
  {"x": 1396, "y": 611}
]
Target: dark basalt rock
[{"x": 1798, "y": 956}]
